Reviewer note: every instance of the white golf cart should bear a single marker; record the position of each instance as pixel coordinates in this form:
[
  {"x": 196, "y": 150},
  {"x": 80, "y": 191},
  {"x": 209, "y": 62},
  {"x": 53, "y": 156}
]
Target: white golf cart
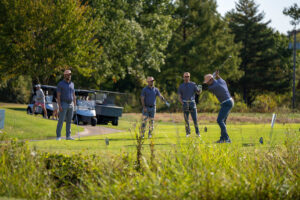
[{"x": 85, "y": 110}]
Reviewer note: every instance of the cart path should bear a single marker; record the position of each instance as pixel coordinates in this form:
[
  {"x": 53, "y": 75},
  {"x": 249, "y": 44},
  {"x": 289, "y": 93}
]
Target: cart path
[
  {"x": 88, "y": 131},
  {"x": 96, "y": 130}
]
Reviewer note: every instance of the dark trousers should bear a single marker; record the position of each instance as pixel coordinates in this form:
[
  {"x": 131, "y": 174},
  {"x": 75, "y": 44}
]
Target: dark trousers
[{"x": 222, "y": 117}]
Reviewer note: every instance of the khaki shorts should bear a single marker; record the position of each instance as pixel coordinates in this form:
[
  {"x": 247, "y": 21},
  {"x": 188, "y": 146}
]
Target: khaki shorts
[{"x": 55, "y": 107}]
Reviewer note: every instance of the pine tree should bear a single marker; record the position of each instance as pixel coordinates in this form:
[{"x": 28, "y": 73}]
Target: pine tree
[
  {"x": 200, "y": 44},
  {"x": 263, "y": 53}
]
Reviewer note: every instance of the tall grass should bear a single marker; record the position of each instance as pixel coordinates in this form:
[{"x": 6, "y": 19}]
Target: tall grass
[{"x": 188, "y": 171}]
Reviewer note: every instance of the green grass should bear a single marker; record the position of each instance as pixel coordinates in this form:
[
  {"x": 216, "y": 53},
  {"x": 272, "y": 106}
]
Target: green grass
[
  {"x": 20, "y": 125},
  {"x": 169, "y": 166},
  {"x": 166, "y": 135}
]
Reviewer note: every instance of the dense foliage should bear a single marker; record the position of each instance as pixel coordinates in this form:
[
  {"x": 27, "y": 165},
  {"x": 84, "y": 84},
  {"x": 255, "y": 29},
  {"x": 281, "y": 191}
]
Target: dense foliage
[
  {"x": 190, "y": 171},
  {"x": 114, "y": 45}
]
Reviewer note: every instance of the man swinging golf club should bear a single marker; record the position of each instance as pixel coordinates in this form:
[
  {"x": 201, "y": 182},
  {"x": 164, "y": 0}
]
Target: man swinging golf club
[
  {"x": 219, "y": 87},
  {"x": 148, "y": 99},
  {"x": 186, "y": 96}
]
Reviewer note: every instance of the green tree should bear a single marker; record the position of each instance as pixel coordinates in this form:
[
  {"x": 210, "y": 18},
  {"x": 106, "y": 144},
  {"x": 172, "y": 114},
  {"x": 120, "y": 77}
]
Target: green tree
[
  {"x": 134, "y": 35},
  {"x": 294, "y": 13},
  {"x": 200, "y": 44},
  {"x": 264, "y": 53},
  {"x": 41, "y": 38}
]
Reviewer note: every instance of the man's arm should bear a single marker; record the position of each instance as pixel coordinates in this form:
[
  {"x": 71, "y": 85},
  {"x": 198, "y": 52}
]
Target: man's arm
[
  {"x": 143, "y": 103},
  {"x": 180, "y": 99},
  {"x": 58, "y": 101},
  {"x": 162, "y": 98},
  {"x": 74, "y": 99},
  {"x": 217, "y": 74}
]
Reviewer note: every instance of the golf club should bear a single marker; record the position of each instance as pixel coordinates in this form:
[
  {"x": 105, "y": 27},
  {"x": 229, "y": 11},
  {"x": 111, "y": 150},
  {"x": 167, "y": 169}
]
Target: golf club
[
  {"x": 214, "y": 74},
  {"x": 77, "y": 124}
]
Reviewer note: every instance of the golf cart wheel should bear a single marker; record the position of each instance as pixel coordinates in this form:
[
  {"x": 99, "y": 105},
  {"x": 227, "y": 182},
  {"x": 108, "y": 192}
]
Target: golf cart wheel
[
  {"x": 76, "y": 119},
  {"x": 94, "y": 121},
  {"x": 29, "y": 111},
  {"x": 115, "y": 122}
]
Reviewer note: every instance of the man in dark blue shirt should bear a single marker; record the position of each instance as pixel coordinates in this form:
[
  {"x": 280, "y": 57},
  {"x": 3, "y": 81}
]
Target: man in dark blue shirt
[
  {"x": 219, "y": 87},
  {"x": 66, "y": 101},
  {"x": 186, "y": 96},
  {"x": 148, "y": 99}
]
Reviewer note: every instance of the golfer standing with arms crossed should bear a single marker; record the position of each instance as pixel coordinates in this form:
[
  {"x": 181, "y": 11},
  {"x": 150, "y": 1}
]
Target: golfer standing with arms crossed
[
  {"x": 148, "y": 99},
  {"x": 219, "y": 87},
  {"x": 186, "y": 96},
  {"x": 66, "y": 101}
]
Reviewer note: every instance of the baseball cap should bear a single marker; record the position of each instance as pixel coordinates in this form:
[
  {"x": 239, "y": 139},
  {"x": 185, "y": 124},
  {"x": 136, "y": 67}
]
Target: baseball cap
[
  {"x": 207, "y": 78},
  {"x": 150, "y": 78},
  {"x": 67, "y": 71}
]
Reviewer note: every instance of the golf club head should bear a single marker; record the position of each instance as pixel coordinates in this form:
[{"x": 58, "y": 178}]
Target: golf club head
[
  {"x": 167, "y": 104},
  {"x": 199, "y": 87}
]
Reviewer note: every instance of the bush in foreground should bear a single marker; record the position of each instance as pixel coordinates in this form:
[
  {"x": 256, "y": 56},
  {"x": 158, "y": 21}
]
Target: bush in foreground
[{"x": 189, "y": 171}]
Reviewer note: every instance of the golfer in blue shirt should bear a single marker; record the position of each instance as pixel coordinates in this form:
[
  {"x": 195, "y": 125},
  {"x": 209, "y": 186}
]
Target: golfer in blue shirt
[
  {"x": 186, "y": 96},
  {"x": 148, "y": 99},
  {"x": 219, "y": 87},
  {"x": 66, "y": 101}
]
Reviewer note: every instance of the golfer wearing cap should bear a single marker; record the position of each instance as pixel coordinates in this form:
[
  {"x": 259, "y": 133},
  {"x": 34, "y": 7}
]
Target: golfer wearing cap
[
  {"x": 40, "y": 100},
  {"x": 186, "y": 96},
  {"x": 66, "y": 101},
  {"x": 219, "y": 87},
  {"x": 148, "y": 99}
]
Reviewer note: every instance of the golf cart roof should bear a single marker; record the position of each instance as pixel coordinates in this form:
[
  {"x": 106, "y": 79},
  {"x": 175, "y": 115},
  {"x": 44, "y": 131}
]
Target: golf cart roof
[
  {"x": 81, "y": 92},
  {"x": 106, "y": 91},
  {"x": 48, "y": 87}
]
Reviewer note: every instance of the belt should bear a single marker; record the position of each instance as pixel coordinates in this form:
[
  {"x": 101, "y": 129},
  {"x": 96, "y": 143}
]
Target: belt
[
  {"x": 188, "y": 101},
  {"x": 150, "y": 106},
  {"x": 68, "y": 102},
  {"x": 227, "y": 100}
]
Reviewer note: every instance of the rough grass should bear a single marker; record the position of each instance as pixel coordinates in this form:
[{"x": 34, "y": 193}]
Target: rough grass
[
  {"x": 169, "y": 166},
  {"x": 193, "y": 170}
]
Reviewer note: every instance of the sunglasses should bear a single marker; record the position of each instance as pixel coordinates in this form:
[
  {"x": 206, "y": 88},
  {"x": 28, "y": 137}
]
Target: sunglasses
[{"x": 186, "y": 76}]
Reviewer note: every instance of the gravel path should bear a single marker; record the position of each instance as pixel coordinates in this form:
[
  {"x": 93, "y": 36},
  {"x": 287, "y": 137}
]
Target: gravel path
[{"x": 96, "y": 130}]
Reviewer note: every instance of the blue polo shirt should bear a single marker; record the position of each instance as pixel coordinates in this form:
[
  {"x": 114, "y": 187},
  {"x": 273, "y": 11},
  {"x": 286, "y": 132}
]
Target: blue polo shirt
[
  {"x": 187, "y": 91},
  {"x": 66, "y": 91},
  {"x": 150, "y": 95},
  {"x": 220, "y": 89}
]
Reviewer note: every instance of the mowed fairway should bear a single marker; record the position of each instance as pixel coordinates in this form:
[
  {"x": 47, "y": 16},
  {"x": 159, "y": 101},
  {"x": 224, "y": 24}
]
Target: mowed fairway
[
  {"x": 168, "y": 135},
  {"x": 41, "y": 132}
]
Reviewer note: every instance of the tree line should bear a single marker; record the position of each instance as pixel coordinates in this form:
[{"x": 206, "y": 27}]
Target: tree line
[{"x": 114, "y": 45}]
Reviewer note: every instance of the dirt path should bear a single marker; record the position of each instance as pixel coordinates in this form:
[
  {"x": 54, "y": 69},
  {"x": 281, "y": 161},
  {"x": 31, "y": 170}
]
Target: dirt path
[{"x": 96, "y": 130}]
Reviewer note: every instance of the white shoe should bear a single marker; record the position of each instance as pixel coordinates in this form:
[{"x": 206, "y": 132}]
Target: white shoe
[
  {"x": 187, "y": 135},
  {"x": 70, "y": 138},
  {"x": 58, "y": 138}
]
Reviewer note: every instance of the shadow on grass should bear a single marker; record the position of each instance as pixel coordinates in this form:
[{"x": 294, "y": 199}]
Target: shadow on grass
[{"x": 18, "y": 109}]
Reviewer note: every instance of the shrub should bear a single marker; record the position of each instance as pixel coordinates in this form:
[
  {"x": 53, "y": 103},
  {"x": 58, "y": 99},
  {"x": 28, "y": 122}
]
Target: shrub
[
  {"x": 264, "y": 103},
  {"x": 239, "y": 105},
  {"x": 208, "y": 102},
  {"x": 16, "y": 90}
]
